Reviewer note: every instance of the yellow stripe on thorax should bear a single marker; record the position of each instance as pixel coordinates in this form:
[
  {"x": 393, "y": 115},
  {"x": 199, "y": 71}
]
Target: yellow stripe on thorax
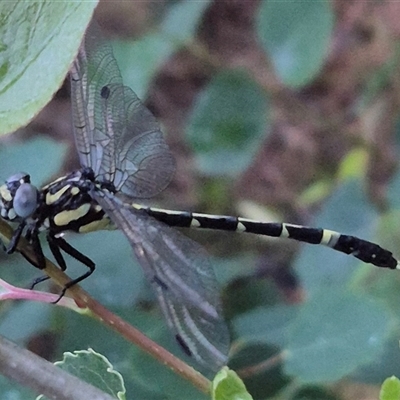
[
  {"x": 63, "y": 218},
  {"x": 51, "y": 198}
]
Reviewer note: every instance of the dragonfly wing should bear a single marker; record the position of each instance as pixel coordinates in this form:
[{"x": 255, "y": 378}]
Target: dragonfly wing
[
  {"x": 115, "y": 134},
  {"x": 183, "y": 279},
  {"x": 91, "y": 71},
  {"x": 143, "y": 164}
]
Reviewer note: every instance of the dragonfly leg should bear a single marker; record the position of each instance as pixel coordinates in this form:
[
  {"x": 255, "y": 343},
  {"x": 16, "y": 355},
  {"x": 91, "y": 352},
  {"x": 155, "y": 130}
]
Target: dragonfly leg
[
  {"x": 33, "y": 237},
  {"x": 55, "y": 250},
  {"x": 38, "y": 280},
  {"x": 57, "y": 243},
  {"x": 15, "y": 238}
]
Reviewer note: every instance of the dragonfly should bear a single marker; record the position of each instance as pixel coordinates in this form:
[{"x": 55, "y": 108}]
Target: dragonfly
[{"x": 124, "y": 159}]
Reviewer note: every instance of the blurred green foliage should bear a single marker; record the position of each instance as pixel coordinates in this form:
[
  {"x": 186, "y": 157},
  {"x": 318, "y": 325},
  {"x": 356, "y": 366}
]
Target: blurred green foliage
[
  {"x": 296, "y": 36},
  {"x": 176, "y": 30},
  {"x": 228, "y": 123}
]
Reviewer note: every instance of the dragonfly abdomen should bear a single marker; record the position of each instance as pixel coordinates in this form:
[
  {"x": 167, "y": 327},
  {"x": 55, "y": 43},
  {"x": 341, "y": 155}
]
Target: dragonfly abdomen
[{"x": 362, "y": 249}]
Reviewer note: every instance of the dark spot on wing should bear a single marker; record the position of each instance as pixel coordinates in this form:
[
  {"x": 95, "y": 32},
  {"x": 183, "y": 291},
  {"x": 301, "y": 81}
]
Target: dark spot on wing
[
  {"x": 183, "y": 345},
  {"x": 105, "y": 92},
  {"x": 160, "y": 283}
]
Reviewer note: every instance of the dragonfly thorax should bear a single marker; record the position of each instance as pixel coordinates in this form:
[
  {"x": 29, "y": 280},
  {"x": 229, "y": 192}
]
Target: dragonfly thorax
[{"x": 68, "y": 204}]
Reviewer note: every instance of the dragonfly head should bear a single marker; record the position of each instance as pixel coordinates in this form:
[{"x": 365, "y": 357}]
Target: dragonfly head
[{"x": 18, "y": 198}]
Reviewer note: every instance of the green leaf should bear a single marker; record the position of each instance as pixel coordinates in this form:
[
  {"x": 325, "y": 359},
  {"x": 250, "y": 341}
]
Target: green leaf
[
  {"x": 296, "y": 36},
  {"x": 38, "y": 42},
  {"x": 11, "y": 390},
  {"x": 25, "y": 320},
  {"x": 228, "y": 123},
  {"x": 387, "y": 364},
  {"x": 266, "y": 325},
  {"x": 14, "y": 159},
  {"x": 95, "y": 369},
  {"x": 390, "y": 389},
  {"x": 335, "y": 333},
  {"x": 228, "y": 386}
]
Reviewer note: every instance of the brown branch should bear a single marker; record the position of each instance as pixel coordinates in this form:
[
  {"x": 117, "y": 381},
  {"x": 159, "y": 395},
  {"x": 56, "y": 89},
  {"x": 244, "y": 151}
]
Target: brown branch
[{"x": 42, "y": 376}]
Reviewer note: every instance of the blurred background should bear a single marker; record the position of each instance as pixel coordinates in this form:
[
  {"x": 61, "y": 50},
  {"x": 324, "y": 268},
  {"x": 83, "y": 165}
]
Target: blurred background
[{"x": 276, "y": 111}]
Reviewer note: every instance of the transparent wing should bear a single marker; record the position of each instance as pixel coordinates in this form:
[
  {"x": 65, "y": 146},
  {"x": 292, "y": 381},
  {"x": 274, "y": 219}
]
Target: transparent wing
[
  {"x": 115, "y": 134},
  {"x": 183, "y": 279}
]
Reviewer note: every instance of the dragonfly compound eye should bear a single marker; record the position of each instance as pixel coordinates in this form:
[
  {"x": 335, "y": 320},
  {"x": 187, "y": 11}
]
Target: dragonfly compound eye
[{"x": 25, "y": 200}]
